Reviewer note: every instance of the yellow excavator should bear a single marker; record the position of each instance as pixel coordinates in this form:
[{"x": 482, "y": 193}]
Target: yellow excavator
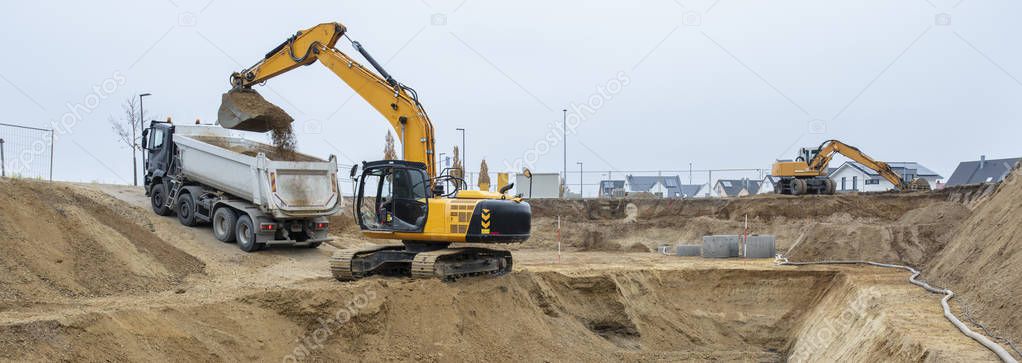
[
  {"x": 807, "y": 174},
  {"x": 405, "y": 200}
]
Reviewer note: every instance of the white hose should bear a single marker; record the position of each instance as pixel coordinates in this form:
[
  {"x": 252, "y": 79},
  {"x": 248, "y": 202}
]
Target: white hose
[{"x": 948, "y": 294}]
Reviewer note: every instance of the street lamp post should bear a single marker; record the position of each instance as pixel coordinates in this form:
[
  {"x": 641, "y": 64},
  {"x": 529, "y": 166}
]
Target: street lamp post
[
  {"x": 464, "y": 158},
  {"x": 579, "y": 179},
  {"x": 3, "y": 165},
  {"x": 564, "y": 140},
  {"x": 134, "y": 135}
]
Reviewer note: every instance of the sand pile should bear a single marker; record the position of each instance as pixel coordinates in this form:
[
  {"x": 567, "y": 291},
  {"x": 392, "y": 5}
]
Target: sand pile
[
  {"x": 66, "y": 241},
  {"x": 681, "y": 315},
  {"x": 899, "y": 226},
  {"x": 983, "y": 261},
  {"x": 253, "y": 149}
]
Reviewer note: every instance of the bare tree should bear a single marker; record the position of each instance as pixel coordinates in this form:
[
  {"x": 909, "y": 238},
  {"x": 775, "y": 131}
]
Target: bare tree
[
  {"x": 129, "y": 131},
  {"x": 484, "y": 176},
  {"x": 388, "y": 150}
]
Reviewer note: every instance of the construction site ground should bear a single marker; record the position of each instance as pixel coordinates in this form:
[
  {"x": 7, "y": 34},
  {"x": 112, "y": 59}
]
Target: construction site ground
[{"x": 90, "y": 273}]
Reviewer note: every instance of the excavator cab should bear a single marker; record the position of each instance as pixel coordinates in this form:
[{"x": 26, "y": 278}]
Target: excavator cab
[{"x": 392, "y": 196}]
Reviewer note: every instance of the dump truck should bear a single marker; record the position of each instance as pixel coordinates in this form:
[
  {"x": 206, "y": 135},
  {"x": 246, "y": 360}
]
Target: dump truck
[{"x": 252, "y": 193}]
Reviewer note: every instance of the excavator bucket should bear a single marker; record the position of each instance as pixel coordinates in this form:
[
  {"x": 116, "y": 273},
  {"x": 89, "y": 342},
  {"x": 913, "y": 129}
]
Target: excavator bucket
[{"x": 245, "y": 109}]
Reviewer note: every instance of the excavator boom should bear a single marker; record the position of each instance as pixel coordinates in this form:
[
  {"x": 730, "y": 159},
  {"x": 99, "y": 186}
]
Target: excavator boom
[
  {"x": 830, "y": 148},
  {"x": 395, "y": 101}
]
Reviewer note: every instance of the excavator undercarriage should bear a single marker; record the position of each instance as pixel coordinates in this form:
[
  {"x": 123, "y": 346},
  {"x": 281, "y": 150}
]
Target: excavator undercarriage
[{"x": 419, "y": 260}]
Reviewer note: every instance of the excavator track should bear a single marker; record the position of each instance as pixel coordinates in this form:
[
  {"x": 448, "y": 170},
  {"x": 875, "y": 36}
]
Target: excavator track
[
  {"x": 455, "y": 263},
  {"x": 341, "y": 261}
]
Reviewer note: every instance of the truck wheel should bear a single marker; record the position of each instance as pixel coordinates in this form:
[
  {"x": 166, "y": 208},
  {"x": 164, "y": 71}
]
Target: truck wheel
[
  {"x": 829, "y": 187},
  {"x": 158, "y": 198},
  {"x": 245, "y": 232},
  {"x": 798, "y": 187},
  {"x": 186, "y": 210},
  {"x": 224, "y": 222}
]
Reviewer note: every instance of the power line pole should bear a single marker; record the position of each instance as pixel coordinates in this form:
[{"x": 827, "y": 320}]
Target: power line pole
[
  {"x": 580, "y": 180},
  {"x": 134, "y": 127},
  {"x": 3, "y": 165},
  {"x": 564, "y": 134}
]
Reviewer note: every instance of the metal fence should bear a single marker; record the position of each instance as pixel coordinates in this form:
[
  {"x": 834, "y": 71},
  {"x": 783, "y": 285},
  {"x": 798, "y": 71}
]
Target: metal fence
[
  {"x": 587, "y": 182},
  {"x": 696, "y": 183},
  {"x": 26, "y": 152}
]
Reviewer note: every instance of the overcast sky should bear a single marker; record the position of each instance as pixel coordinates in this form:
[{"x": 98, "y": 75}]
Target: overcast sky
[{"x": 654, "y": 84}]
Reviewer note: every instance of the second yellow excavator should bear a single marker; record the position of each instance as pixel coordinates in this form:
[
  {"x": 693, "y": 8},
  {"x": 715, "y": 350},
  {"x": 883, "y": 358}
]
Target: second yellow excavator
[
  {"x": 807, "y": 174},
  {"x": 401, "y": 200}
]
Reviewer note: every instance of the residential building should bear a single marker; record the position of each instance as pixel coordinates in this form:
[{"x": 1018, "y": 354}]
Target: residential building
[
  {"x": 612, "y": 189},
  {"x": 542, "y": 185},
  {"x": 767, "y": 184},
  {"x": 736, "y": 187},
  {"x": 691, "y": 190},
  {"x": 982, "y": 171},
  {"x": 855, "y": 177},
  {"x": 660, "y": 186}
]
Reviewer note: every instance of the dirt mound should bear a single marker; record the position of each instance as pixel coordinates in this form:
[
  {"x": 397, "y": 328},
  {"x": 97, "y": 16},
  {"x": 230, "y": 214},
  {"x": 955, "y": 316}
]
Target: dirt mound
[
  {"x": 913, "y": 239},
  {"x": 983, "y": 261},
  {"x": 595, "y": 240},
  {"x": 66, "y": 241},
  {"x": 271, "y": 152},
  {"x": 715, "y": 314},
  {"x": 891, "y": 226}
]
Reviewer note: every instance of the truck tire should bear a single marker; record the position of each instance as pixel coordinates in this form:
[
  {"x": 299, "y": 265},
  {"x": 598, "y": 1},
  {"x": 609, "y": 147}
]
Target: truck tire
[
  {"x": 225, "y": 224},
  {"x": 830, "y": 187},
  {"x": 798, "y": 187},
  {"x": 158, "y": 199},
  {"x": 245, "y": 233},
  {"x": 186, "y": 210}
]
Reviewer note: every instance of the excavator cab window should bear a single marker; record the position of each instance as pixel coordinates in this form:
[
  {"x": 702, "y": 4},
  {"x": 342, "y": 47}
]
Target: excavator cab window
[{"x": 393, "y": 198}]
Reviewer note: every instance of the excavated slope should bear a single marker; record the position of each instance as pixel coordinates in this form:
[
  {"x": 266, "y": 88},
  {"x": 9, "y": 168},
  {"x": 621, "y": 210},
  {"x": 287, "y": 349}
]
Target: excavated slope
[{"x": 63, "y": 241}]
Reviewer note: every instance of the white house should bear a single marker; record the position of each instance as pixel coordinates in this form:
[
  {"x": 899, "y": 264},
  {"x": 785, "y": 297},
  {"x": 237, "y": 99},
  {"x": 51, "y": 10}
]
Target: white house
[
  {"x": 543, "y": 185},
  {"x": 767, "y": 184},
  {"x": 854, "y": 177},
  {"x": 736, "y": 187}
]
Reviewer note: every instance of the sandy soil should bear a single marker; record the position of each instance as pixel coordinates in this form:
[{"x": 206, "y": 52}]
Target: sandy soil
[{"x": 173, "y": 293}]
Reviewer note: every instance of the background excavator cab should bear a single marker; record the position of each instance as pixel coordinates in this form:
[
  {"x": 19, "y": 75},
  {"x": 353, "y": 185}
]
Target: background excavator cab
[{"x": 392, "y": 196}]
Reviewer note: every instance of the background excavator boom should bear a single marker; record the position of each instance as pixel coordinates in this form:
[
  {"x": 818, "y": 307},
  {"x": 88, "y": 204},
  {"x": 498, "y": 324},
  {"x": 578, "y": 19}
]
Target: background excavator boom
[{"x": 829, "y": 148}]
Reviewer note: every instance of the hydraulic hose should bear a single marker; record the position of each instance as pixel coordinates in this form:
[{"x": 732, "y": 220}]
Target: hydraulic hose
[{"x": 948, "y": 295}]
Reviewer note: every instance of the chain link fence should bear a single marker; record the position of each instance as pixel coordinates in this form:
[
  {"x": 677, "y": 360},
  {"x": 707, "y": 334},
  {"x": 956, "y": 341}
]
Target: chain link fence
[
  {"x": 26, "y": 152},
  {"x": 704, "y": 183}
]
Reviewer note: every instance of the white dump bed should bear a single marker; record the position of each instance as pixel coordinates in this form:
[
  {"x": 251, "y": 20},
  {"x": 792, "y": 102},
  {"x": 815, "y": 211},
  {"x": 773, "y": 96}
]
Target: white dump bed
[{"x": 232, "y": 162}]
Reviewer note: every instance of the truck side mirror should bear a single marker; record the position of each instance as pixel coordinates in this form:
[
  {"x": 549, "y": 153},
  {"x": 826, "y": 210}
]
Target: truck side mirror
[
  {"x": 145, "y": 139},
  {"x": 354, "y": 170}
]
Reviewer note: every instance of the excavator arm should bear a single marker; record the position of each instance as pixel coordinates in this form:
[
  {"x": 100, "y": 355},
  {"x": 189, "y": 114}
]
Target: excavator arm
[
  {"x": 832, "y": 147},
  {"x": 396, "y": 102}
]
